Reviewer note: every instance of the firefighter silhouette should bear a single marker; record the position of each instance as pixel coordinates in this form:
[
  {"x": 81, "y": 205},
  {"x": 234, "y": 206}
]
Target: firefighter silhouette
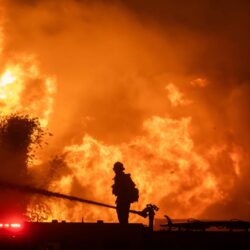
[{"x": 126, "y": 192}]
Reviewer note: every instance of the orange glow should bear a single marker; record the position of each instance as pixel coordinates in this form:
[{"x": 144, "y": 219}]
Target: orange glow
[
  {"x": 200, "y": 82},
  {"x": 112, "y": 87},
  {"x": 9, "y": 92},
  {"x": 236, "y": 158},
  {"x": 175, "y": 96},
  {"x": 166, "y": 147},
  {"x": 7, "y": 78},
  {"x": 1, "y": 38},
  {"x": 17, "y": 80}
]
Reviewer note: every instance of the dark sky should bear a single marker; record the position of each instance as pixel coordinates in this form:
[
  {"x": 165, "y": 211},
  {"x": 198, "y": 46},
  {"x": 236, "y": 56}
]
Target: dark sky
[{"x": 224, "y": 25}]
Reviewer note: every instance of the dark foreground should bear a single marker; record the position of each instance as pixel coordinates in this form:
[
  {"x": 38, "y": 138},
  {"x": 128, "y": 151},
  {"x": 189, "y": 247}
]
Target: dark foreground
[{"x": 55, "y": 236}]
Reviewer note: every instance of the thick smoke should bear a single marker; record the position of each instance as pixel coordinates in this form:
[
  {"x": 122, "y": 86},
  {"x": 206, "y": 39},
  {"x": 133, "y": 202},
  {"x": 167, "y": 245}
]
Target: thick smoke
[{"x": 113, "y": 61}]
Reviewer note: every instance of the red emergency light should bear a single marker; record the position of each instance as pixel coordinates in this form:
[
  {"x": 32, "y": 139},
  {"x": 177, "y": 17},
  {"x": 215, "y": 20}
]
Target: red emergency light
[
  {"x": 15, "y": 225},
  {"x": 10, "y": 225}
]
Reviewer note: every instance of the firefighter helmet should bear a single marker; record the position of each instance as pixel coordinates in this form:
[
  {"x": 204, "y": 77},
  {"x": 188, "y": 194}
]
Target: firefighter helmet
[{"x": 118, "y": 166}]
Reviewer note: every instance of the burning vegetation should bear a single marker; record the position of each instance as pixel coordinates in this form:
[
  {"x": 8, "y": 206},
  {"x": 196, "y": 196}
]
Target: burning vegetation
[{"x": 168, "y": 98}]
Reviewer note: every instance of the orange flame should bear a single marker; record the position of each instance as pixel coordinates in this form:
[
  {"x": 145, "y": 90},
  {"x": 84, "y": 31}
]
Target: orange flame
[
  {"x": 164, "y": 161},
  {"x": 175, "y": 96},
  {"x": 24, "y": 89}
]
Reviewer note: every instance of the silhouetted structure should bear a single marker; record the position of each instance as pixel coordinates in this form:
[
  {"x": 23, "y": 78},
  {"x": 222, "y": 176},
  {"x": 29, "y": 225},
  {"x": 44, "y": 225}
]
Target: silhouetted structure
[
  {"x": 124, "y": 189},
  {"x": 107, "y": 236},
  {"x": 197, "y": 225}
]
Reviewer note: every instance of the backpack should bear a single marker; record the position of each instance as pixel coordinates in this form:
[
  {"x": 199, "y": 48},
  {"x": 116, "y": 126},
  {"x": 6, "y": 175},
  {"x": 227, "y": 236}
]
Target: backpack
[
  {"x": 133, "y": 192},
  {"x": 134, "y": 195}
]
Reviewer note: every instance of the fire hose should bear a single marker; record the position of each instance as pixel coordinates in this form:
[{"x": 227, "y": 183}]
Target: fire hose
[{"x": 148, "y": 211}]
